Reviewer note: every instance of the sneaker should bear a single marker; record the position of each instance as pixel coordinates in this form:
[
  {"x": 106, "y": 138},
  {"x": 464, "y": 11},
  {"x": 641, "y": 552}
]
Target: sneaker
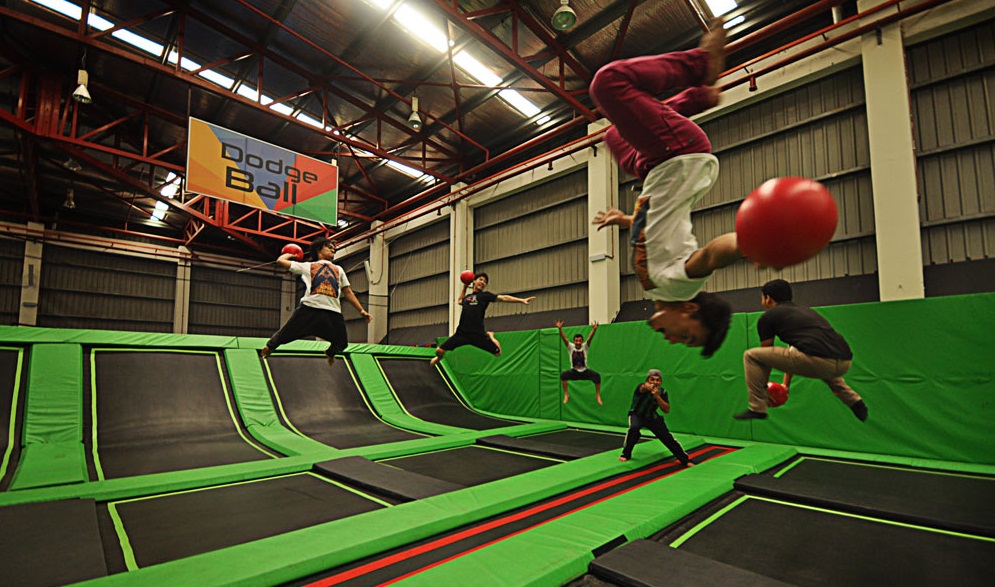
[
  {"x": 860, "y": 410},
  {"x": 751, "y": 415}
]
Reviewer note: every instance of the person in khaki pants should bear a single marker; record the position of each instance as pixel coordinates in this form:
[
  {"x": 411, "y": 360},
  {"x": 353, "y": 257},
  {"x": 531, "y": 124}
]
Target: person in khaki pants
[{"x": 815, "y": 350}]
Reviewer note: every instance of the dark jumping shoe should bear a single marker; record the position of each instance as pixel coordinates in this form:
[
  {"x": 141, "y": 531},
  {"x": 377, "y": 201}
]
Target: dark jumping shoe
[
  {"x": 750, "y": 415},
  {"x": 860, "y": 410}
]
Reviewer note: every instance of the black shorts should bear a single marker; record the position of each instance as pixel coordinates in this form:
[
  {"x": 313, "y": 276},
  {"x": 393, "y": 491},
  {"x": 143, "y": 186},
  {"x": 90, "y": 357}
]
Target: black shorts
[
  {"x": 481, "y": 341},
  {"x": 575, "y": 375}
]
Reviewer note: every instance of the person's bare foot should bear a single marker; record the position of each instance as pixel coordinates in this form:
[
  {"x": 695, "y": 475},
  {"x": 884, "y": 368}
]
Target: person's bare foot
[
  {"x": 566, "y": 397},
  {"x": 434, "y": 361},
  {"x": 622, "y": 459},
  {"x": 265, "y": 352},
  {"x": 599, "y": 401},
  {"x": 714, "y": 41},
  {"x": 331, "y": 359}
]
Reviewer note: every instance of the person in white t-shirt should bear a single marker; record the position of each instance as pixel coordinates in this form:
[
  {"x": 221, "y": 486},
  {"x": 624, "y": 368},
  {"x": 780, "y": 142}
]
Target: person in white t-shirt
[
  {"x": 656, "y": 142},
  {"x": 320, "y": 312},
  {"x": 579, "y": 371}
]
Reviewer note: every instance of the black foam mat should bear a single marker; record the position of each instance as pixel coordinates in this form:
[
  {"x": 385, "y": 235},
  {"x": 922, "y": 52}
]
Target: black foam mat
[
  {"x": 560, "y": 451},
  {"x": 955, "y": 502},
  {"x": 384, "y": 479},
  {"x": 50, "y": 543},
  {"x": 644, "y": 563}
]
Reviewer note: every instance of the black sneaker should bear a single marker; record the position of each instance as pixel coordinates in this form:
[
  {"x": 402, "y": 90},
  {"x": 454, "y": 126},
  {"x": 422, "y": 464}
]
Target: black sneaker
[
  {"x": 751, "y": 415},
  {"x": 860, "y": 410}
]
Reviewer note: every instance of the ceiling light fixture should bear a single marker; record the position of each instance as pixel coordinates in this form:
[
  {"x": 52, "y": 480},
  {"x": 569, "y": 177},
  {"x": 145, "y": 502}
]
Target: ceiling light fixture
[
  {"x": 564, "y": 18},
  {"x": 70, "y": 202},
  {"x": 414, "y": 121},
  {"x": 82, "y": 95}
]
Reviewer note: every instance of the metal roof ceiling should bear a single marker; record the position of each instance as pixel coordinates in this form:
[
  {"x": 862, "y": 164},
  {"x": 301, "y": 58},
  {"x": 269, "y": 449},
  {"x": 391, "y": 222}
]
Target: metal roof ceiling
[{"x": 346, "y": 63}]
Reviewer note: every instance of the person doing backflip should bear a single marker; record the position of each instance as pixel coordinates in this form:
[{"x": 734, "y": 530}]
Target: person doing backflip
[
  {"x": 471, "y": 329},
  {"x": 579, "y": 371},
  {"x": 320, "y": 312},
  {"x": 656, "y": 142}
]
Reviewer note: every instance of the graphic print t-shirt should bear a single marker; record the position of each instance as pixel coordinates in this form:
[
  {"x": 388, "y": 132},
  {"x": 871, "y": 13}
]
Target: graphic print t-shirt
[
  {"x": 323, "y": 281},
  {"x": 471, "y": 321},
  {"x": 578, "y": 356}
]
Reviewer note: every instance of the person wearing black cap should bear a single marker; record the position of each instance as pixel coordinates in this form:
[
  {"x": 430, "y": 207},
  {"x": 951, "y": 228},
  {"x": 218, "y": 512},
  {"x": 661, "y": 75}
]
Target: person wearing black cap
[{"x": 649, "y": 396}]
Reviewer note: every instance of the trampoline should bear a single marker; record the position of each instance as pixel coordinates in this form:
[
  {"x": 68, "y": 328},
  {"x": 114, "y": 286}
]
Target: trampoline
[
  {"x": 938, "y": 499},
  {"x": 325, "y": 403},
  {"x": 425, "y": 394},
  {"x": 564, "y": 444},
  {"x": 151, "y": 412},
  {"x": 471, "y": 465},
  {"x": 157, "y": 529},
  {"x": 12, "y": 381}
]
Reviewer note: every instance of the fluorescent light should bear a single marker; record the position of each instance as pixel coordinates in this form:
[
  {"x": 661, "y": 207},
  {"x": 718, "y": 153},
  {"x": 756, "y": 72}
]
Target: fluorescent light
[
  {"x": 734, "y": 21},
  {"x": 308, "y": 120},
  {"x": 421, "y": 28},
  {"x": 543, "y": 120},
  {"x": 720, "y": 7},
  {"x": 98, "y": 22},
  {"x": 66, "y": 8}
]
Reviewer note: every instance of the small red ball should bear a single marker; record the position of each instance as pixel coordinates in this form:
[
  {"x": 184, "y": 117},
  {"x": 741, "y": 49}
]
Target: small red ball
[
  {"x": 466, "y": 277},
  {"x": 785, "y": 221},
  {"x": 294, "y": 250},
  {"x": 777, "y": 394}
]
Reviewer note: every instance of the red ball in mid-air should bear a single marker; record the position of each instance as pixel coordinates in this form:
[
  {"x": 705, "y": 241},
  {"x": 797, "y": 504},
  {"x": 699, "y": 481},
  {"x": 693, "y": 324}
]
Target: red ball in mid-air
[
  {"x": 777, "y": 394},
  {"x": 294, "y": 250},
  {"x": 785, "y": 221},
  {"x": 466, "y": 277}
]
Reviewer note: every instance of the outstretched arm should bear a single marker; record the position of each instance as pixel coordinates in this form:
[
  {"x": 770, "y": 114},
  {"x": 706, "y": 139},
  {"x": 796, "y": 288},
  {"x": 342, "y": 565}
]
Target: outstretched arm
[
  {"x": 612, "y": 216},
  {"x": 594, "y": 328},
  {"x": 720, "y": 252},
  {"x": 559, "y": 326},
  {"x": 506, "y": 298},
  {"x": 352, "y": 299}
]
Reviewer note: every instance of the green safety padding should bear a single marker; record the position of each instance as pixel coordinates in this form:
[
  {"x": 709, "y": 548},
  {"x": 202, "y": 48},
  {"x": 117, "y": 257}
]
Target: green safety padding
[
  {"x": 256, "y": 407},
  {"x": 319, "y": 346},
  {"x": 507, "y": 384},
  {"x": 33, "y": 335},
  {"x": 927, "y": 381},
  {"x": 552, "y": 362},
  {"x": 560, "y": 550},
  {"x": 52, "y": 451}
]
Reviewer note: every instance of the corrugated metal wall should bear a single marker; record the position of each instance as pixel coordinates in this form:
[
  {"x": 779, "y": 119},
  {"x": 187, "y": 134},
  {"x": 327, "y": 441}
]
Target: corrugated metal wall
[
  {"x": 11, "y": 264},
  {"x": 535, "y": 243},
  {"x": 419, "y": 277},
  {"x": 819, "y": 131},
  {"x": 225, "y": 302},
  {"x": 360, "y": 285},
  {"x": 88, "y": 289},
  {"x": 953, "y": 99}
]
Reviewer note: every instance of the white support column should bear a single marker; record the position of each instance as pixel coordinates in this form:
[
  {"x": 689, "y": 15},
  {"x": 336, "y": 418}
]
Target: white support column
[
  {"x": 378, "y": 275},
  {"x": 31, "y": 277},
  {"x": 460, "y": 251},
  {"x": 181, "y": 301},
  {"x": 893, "y": 163},
  {"x": 603, "y": 282}
]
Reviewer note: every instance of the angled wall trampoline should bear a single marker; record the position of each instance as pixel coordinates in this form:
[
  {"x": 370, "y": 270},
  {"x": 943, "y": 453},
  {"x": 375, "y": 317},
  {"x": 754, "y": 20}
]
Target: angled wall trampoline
[{"x": 176, "y": 459}]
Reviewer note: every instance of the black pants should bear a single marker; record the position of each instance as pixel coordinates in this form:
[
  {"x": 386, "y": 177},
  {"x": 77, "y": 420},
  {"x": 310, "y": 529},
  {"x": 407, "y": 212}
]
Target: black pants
[
  {"x": 308, "y": 321},
  {"x": 658, "y": 427}
]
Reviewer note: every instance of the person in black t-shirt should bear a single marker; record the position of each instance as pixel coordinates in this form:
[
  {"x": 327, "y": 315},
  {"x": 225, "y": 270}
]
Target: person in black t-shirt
[
  {"x": 471, "y": 328},
  {"x": 642, "y": 414},
  {"x": 815, "y": 350}
]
